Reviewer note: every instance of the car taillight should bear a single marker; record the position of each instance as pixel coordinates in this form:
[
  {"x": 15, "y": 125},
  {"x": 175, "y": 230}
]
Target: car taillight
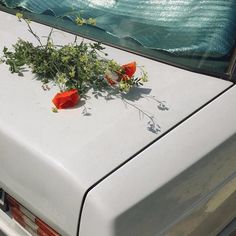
[{"x": 27, "y": 220}]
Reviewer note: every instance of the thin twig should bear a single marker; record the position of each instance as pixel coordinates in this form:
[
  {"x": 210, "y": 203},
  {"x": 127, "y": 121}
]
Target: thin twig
[
  {"x": 49, "y": 38},
  {"x": 153, "y": 126},
  {"x": 75, "y": 41},
  {"x": 32, "y": 32}
]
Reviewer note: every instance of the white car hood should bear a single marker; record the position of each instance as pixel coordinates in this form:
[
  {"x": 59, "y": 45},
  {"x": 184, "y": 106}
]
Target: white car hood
[{"x": 49, "y": 160}]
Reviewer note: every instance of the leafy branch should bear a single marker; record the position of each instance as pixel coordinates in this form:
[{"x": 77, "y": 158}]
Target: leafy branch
[
  {"x": 73, "y": 66},
  {"x": 76, "y": 68}
]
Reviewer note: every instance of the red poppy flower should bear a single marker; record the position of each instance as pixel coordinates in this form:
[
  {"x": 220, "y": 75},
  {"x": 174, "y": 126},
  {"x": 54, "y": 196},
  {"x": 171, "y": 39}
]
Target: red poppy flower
[
  {"x": 66, "y": 99},
  {"x": 129, "y": 69}
]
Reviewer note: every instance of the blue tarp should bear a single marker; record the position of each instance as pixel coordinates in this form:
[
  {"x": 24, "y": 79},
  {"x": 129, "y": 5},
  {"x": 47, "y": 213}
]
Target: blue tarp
[{"x": 182, "y": 27}]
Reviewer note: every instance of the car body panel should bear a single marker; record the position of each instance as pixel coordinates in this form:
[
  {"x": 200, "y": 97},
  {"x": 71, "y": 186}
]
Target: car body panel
[
  {"x": 49, "y": 160},
  {"x": 184, "y": 184}
]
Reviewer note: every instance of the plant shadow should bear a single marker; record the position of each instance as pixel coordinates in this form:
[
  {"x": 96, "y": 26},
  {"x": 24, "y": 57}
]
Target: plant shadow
[{"x": 130, "y": 99}]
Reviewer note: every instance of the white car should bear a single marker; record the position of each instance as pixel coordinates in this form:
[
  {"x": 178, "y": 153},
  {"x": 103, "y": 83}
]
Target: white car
[{"x": 109, "y": 174}]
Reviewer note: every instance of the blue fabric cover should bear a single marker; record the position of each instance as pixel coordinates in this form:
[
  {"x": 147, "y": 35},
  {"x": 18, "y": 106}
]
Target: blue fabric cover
[{"x": 182, "y": 27}]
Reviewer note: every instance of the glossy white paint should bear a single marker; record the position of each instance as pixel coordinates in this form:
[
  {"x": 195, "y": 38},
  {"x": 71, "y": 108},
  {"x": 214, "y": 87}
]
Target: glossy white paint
[
  {"x": 49, "y": 160},
  {"x": 184, "y": 184}
]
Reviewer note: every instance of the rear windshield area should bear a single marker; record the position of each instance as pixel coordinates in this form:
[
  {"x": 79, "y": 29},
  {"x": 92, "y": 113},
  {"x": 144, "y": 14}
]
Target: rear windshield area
[{"x": 194, "y": 34}]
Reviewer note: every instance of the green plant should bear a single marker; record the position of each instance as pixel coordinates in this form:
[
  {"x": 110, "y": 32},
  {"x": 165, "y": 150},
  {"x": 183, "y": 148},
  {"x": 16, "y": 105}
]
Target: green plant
[{"x": 75, "y": 66}]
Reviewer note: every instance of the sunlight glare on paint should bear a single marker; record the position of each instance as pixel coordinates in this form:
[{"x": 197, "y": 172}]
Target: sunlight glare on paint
[{"x": 102, "y": 3}]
